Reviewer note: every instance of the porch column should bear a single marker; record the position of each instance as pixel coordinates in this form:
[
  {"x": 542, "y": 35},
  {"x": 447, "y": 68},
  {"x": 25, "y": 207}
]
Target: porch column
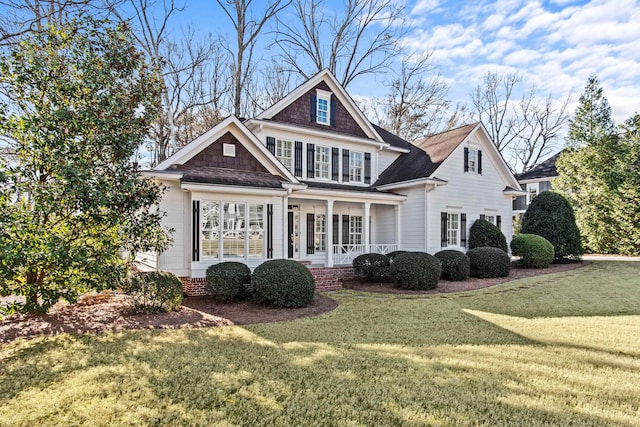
[
  {"x": 285, "y": 228},
  {"x": 365, "y": 227},
  {"x": 396, "y": 210},
  {"x": 329, "y": 229}
]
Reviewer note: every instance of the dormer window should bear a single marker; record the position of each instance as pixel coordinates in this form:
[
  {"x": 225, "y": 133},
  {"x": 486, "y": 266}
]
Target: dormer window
[{"x": 323, "y": 111}]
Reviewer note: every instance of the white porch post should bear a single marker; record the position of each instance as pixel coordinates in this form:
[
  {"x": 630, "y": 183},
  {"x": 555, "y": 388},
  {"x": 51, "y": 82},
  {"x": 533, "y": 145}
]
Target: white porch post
[
  {"x": 365, "y": 226},
  {"x": 285, "y": 227},
  {"x": 396, "y": 210},
  {"x": 329, "y": 229}
]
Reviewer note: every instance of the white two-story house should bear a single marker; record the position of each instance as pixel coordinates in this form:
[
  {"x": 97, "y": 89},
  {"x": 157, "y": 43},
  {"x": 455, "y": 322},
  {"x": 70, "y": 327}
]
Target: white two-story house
[{"x": 311, "y": 179}]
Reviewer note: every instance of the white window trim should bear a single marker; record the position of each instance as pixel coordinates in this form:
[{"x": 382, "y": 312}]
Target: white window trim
[
  {"x": 279, "y": 153},
  {"x": 353, "y": 231},
  {"x": 317, "y": 234},
  {"x": 473, "y": 150},
  {"x": 351, "y": 167},
  {"x": 316, "y": 163},
  {"x": 325, "y": 96},
  {"x": 457, "y": 242}
]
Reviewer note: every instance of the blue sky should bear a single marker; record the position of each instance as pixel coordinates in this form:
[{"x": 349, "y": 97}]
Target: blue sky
[{"x": 555, "y": 45}]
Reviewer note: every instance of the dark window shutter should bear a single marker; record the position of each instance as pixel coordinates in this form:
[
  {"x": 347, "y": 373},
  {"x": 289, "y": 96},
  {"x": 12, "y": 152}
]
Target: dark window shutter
[
  {"x": 443, "y": 229},
  {"x": 332, "y": 114},
  {"x": 336, "y": 232},
  {"x": 483, "y": 217},
  {"x": 297, "y": 159},
  {"x": 367, "y": 168},
  {"x": 311, "y": 223},
  {"x": 311, "y": 161},
  {"x": 463, "y": 230},
  {"x": 269, "y": 230},
  {"x": 499, "y": 222},
  {"x": 480, "y": 162},
  {"x": 466, "y": 159},
  {"x": 335, "y": 164},
  {"x": 271, "y": 145},
  {"x": 313, "y": 107},
  {"x": 345, "y": 229},
  {"x": 345, "y": 165},
  {"x": 195, "y": 241}
]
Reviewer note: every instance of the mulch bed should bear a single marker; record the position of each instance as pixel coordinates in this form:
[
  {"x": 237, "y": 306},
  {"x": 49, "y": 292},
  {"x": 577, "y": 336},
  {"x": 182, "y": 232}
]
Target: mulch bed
[{"x": 108, "y": 311}]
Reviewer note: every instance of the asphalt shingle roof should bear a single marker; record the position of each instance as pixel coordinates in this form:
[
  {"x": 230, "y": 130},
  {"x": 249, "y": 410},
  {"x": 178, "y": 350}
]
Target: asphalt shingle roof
[
  {"x": 546, "y": 169},
  {"x": 214, "y": 175}
]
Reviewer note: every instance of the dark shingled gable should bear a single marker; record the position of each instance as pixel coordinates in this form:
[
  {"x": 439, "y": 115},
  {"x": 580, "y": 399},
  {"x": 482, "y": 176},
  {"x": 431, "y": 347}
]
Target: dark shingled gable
[
  {"x": 546, "y": 169},
  {"x": 425, "y": 156},
  {"x": 224, "y": 176}
]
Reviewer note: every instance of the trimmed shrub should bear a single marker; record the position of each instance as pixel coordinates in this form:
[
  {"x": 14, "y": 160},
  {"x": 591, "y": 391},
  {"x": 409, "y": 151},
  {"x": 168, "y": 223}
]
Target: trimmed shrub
[
  {"x": 455, "y": 264},
  {"x": 489, "y": 262},
  {"x": 534, "y": 251},
  {"x": 393, "y": 255},
  {"x": 374, "y": 267},
  {"x": 154, "y": 291},
  {"x": 550, "y": 215},
  {"x": 283, "y": 283},
  {"x": 483, "y": 234},
  {"x": 415, "y": 270},
  {"x": 227, "y": 280}
]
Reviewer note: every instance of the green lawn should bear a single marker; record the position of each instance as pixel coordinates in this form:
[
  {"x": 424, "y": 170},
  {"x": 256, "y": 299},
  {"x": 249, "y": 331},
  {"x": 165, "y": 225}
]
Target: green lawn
[{"x": 560, "y": 349}]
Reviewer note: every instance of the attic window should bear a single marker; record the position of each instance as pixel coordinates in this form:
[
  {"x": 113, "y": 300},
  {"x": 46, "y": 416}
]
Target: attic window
[
  {"x": 323, "y": 112},
  {"x": 229, "y": 150}
]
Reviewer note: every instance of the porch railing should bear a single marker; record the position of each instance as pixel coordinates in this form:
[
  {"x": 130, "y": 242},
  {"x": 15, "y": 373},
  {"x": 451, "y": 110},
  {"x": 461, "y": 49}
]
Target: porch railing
[{"x": 344, "y": 254}]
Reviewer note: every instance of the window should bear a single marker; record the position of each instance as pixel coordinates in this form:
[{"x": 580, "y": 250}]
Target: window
[
  {"x": 210, "y": 229},
  {"x": 233, "y": 230},
  {"x": 356, "y": 165},
  {"x": 473, "y": 160},
  {"x": 320, "y": 235},
  {"x": 323, "y": 113},
  {"x": 355, "y": 230},
  {"x": 453, "y": 229},
  {"x": 491, "y": 219},
  {"x": 322, "y": 162},
  {"x": 284, "y": 153}
]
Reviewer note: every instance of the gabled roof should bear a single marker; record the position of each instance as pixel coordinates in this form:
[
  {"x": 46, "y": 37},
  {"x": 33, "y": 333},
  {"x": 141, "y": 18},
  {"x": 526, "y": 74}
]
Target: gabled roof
[
  {"x": 426, "y": 155},
  {"x": 392, "y": 139},
  {"x": 326, "y": 76},
  {"x": 546, "y": 169}
]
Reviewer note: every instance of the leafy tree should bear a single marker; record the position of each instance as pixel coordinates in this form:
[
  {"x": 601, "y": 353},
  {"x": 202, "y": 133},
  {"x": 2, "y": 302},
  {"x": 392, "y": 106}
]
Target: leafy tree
[
  {"x": 550, "y": 215},
  {"x": 74, "y": 198},
  {"x": 591, "y": 169}
]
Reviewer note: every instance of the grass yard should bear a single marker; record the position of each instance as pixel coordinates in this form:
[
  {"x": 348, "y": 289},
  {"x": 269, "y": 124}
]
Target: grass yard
[{"x": 561, "y": 349}]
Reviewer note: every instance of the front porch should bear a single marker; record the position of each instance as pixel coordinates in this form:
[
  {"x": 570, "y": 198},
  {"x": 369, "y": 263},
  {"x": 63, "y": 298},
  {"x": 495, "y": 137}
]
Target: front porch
[{"x": 345, "y": 254}]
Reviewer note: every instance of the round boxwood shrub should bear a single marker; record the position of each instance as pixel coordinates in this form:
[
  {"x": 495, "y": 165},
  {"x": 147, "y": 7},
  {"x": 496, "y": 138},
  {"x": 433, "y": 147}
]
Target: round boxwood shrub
[
  {"x": 489, "y": 262},
  {"x": 415, "y": 270},
  {"x": 227, "y": 280},
  {"x": 534, "y": 251},
  {"x": 153, "y": 291},
  {"x": 455, "y": 264},
  {"x": 393, "y": 255},
  {"x": 483, "y": 233},
  {"x": 374, "y": 267},
  {"x": 550, "y": 215},
  {"x": 283, "y": 283}
]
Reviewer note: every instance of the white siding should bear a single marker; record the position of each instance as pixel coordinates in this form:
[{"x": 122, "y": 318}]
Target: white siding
[
  {"x": 176, "y": 204},
  {"x": 385, "y": 158},
  {"x": 383, "y": 229},
  {"x": 468, "y": 193},
  {"x": 412, "y": 219}
]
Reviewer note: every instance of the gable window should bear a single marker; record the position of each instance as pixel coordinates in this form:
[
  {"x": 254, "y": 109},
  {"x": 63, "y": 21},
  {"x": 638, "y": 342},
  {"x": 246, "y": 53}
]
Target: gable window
[
  {"x": 356, "y": 166},
  {"x": 323, "y": 112},
  {"x": 453, "y": 229},
  {"x": 322, "y": 162},
  {"x": 320, "y": 235},
  {"x": 284, "y": 153},
  {"x": 473, "y": 160},
  {"x": 355, "y": 230}
]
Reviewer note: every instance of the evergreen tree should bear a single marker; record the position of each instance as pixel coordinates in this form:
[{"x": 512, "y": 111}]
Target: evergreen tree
[
  {"x": 590, "y": 170},
  {"x": 82, "y": 103}
]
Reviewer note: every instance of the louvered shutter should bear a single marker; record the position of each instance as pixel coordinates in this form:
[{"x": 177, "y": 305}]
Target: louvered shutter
[
  {"x": 269, "y": 230},
  {"x": 463, "y": 230},
  {"x": 443, "y": 229},
  {"x": 367, "y": 168},
  {"x": 499, "y": 222},
  {"x": 312, "y": 110},
  {"x": 311, "y": 153},
  {"x": 466, "y": 159},
  {"x": 479, "y": 162},
  {"x": 336, "y": 232},
  {"x": 195, "y": 238},
  {"x": 332, "y": 115},
  {"x": 335, "y": 164},
  {"x": 483, "y": 217},
  {"x": 271, "y": 145},
  {"x": 345, "y": 165},
  {"x": 345, "y": 229},
  {"x": 297, "y": 159},
  {"x": 311, "y": 222}
]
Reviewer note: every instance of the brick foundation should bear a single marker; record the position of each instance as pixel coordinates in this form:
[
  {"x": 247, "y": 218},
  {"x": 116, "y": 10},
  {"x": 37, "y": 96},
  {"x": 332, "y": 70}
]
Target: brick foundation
[{"x": 327, "y": 279}]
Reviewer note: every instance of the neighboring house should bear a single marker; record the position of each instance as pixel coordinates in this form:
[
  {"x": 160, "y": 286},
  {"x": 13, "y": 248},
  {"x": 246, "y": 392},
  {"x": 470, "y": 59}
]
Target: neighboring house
[
  {"x": 312, "y": 179},
  {"x": 535, "y": 181}
]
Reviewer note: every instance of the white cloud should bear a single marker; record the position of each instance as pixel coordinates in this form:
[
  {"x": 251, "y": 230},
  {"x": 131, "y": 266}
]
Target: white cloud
[{"x": 425, "y": 6}]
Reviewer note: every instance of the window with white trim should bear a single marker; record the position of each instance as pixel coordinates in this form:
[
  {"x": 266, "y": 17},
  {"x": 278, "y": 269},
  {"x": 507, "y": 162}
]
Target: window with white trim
[
  {"x": 355, "y": 230},
  {"x": 284, "y": 153},
  {"x": 323, "y": 112},
  {"x": 210, "y": 229},
  {"x": 473, "y": 160},
  {"x": 232, "y": 229},
  {"x": 491, "y": 219},
  {"x": 356, "y": 166},
  {"x": 320, "y": 235},
  {"x": 453, "y": 229},
  {"x": 256, "y": 230},
  {"x": 322, "y": 162}
]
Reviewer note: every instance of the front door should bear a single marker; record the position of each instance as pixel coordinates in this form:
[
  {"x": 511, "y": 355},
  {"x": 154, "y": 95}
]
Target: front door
[{"x": 293, "y": 221}]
